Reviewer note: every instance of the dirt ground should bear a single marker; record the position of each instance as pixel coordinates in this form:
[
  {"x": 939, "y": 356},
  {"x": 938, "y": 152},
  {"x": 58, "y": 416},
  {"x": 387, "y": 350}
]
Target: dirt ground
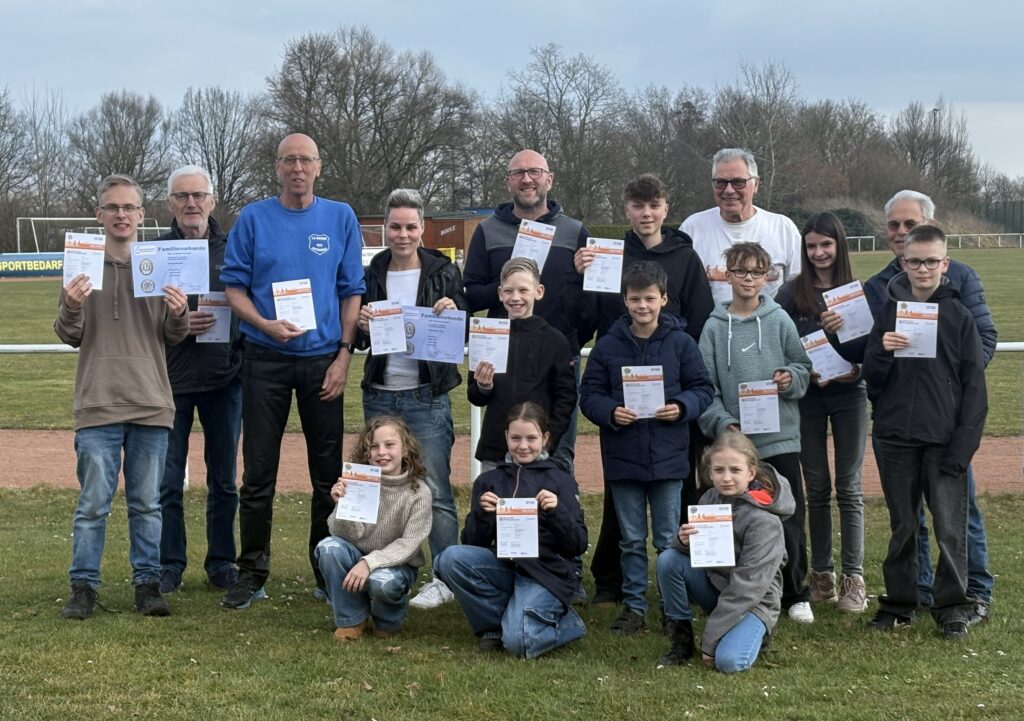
[{"x": 47, "y": 458}]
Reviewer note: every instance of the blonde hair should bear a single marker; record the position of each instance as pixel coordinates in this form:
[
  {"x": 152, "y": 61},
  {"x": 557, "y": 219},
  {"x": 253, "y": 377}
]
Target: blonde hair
[
  {"x": 520, "y": 265},
  {"x": 412, "y": 457},
  {"x": 738, "y": 442}
]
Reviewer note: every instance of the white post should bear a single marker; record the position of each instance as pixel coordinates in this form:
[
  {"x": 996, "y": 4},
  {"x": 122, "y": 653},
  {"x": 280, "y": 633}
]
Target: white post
[{"x": 475, "y": 419}]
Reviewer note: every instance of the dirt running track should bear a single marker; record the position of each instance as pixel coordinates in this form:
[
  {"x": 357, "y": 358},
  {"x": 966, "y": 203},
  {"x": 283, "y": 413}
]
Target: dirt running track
[{"x": 33, "y": 458}]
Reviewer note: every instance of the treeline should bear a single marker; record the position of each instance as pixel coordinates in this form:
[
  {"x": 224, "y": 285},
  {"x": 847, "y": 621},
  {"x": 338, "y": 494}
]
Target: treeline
[{"x": 385, "y": 119}]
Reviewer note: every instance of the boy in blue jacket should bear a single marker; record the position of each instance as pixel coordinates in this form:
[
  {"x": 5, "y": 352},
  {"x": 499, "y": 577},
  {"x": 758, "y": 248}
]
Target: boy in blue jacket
[{"x": 644, "y": 459}]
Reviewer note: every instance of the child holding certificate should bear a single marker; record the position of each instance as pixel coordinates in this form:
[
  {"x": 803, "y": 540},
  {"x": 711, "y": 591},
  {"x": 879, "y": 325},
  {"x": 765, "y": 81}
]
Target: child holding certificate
[
  {"x": 840, "y": 401},
  {"x": 742, "y": 601},
  {"x": 369, "y": 568},
  {"x": 521, "y": 605},
  {"x": 760, "y": 370},
  {"x": 644, "y": 432}
]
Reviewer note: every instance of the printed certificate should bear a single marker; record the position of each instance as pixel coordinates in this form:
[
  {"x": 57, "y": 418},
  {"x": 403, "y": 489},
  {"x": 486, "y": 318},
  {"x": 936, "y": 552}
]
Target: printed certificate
[
  {"x": 518, "y": 529},
  {"x": 851, "y": 305},
  {"x": 217, "y": 304},
  {"x": 643, "y": 389},
  {"x": 439, "y": 338},
  {"x": 488, "y": 341},
  {"x": 827, "y": 363},
  {"x": 920, "y": 322},
  {"x": 361, "y": 502},
  {"x": 184, "y": 264},
  {"x": 83, "y": 253},
  {"x": 759, "y": 407},
  {"x": 293, "y": 301},
  {"x": 712, "y": 545},
  {"x": 387, "y": 327},
  {"x": 604, "y": 274},
  {"x": 534, "y": 241}
]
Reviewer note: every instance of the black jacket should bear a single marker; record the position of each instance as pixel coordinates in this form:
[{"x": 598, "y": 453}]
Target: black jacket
[
  {"x": 562, "y": 532},
  {"x": 539, "y": 370},
  {"x": 439, "y": 278},
  {"x": 937, "y": 401},
  {"x": 199, "y": 367}
]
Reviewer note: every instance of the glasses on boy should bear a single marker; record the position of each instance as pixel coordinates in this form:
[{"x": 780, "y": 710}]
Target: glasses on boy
[
  {"x": 756, "y": 274},
  {"x": 929, "y": 263}
]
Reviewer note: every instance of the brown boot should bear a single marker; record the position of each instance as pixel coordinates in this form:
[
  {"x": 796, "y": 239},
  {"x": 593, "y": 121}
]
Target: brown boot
[{"x": 350, "y": 633}]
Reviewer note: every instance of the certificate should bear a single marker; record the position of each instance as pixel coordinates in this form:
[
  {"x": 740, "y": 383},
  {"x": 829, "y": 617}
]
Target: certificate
[
  {"x": 220, "y": 331},
  {"x": 439, "y": 338},
  {"x": 759, "y": 407},
  {"x": 534, "y": 241},
  {"x": 387, "y": 327},
  {"x": 920, "y": 322},
  {"x": 361, "y": 501},
  {"x": 184, "y": 264},
  {"x": 488, "y": 341},
  {"x": 712, "y": 545},
  {"x": 293, "y": 301},
  {"x": 83, "y": 253},
  {"x": 604, "y": 274},
  {"x": 643, "y": 389},
  {"x": 851, "y": 305},
  {"x": 827, "y": 363},
  {"x": 517, "y": 528}
]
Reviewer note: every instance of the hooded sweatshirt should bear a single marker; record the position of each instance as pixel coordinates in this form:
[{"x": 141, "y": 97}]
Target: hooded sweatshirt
[{"x": 741, "y": 350}]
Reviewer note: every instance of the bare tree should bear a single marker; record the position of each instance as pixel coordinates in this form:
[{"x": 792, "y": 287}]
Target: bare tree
[
  {"x": 47, "y": 121},
  {"x": 14, "y": 148}
]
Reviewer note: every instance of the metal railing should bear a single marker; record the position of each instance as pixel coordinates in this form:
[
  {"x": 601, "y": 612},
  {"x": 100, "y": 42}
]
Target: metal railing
[{"x": 859, "y": 243}]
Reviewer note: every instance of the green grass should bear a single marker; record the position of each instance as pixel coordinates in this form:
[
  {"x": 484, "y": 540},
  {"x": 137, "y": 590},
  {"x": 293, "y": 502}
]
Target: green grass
[{"x": 277, "y": 660}]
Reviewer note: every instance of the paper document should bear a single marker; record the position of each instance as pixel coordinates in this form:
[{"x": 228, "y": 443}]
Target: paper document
[
  {"x": 759, "y": 407},
  {"x": 387, "y": 327},
  {"x": 518, "y": 529},
  {"x": 827, "y": 363},
  {"x": 534, "y": 241},
  {"x": 439, "y": 338},
  {"x": 217, "y": 304},
  {"x": 604, "y": 274},
  {"x": 488, "y": 341},
  {"x": 919, "y": 321},
  {"x": 712, "y": 545},
  {"x": 361, "y": 502},
  {"x": 83, "y": 253},
  {"x": 184, "y": 264},
  {"x": 643, "y": 389},
  {"x": 293, "y": 301},
  {"x": 851, "y": 305}
]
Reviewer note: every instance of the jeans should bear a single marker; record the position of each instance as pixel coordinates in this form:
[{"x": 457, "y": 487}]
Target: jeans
[
  {"x": 908, "y": 473},
  {"x": 268, "y": 379},
  {"x": 220, "y": 414},
  {"x": 681, "y": 584},
  {"x": 429, "y": 419},
  {"x": 847, "y": 409},
  {"x": 99, "y": 461},
  {"x": 564, "y": 453},
  {"x": 385, "y": 596},
  {"x": 794, "y": 571},
  {"x": 494, "y": 597},
  {"x": 631, "y": 502}
]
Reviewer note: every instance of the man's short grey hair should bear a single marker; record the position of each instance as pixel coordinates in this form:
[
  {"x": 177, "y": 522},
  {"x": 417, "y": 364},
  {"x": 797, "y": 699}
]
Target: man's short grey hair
[
  {"x": 926, "y": 203},
  {"x": 112, "y": 181},
  {"x": 726, "y": 154},
  {"x": 189, "y": 170},
  {"x": 404, "y": 198}
]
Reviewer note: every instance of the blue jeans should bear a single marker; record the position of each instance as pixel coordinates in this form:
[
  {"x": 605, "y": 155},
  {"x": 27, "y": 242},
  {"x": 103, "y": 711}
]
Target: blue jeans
[
  {"x": 99, "y": 461},
  {"x": 385, "y": 595},
  {"x": 631, "y": 502},
  {"x": 429, "y": 419},
  {"x": 495, "y": 598},
  {"x": 564, "y": 454},
  {"x": 220, "y": 414},
  {"x": 681, "y": 584}
]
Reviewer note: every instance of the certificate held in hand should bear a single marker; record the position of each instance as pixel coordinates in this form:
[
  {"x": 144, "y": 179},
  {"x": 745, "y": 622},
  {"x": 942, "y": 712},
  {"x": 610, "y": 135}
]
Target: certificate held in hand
[
  {"x": 759, "y": 407},
  {"x": 387, "y": 327},
  {"x": 488, "y": 341},
  {"x": 534, "y": 241},
  {"x": 517, "y": 528},
  {"x": 361, "y": 502},
  {"x": 643, "y": 389},
  {"x": 712, "y": 545},
  {"x": 83, "y": 254},
  {"x": 293, "y": 302}
]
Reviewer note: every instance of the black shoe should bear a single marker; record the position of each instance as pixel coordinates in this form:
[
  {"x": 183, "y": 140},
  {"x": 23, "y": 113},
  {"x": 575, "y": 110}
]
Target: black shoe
[
  {"x": 148, "y": 600},
  {"x": 604, "y": 597},
  {"x": 981, "y": 612},
  {"x": 170, "y": 580},
  {"x": 888, "y": 621},
  {"x": 491, "y": 643},
  {"x": 82, "y": 602},
  {"x": 954, "y": 630},
  {"x": 579, "y": 596},
  {"x": 628, "y": 621},
  {"x": 681, "y": 651},
  {"x": 224, "y": 580},
  {"x": 242, "y": 594}
]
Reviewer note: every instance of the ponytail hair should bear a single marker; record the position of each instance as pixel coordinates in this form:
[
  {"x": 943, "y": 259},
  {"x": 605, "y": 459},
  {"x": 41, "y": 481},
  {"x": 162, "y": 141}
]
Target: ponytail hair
[
  {"x": 531, "y": 413},
  {"x": 738, "y": 442}
]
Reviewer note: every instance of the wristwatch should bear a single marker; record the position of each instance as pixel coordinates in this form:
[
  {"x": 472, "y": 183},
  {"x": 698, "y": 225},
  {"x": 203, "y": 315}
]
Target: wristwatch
[{"x": 350, "y": 347}]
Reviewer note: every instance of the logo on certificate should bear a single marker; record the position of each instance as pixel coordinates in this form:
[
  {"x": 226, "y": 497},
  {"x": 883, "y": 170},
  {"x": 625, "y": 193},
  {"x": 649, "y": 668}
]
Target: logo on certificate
[
  {"x": 146, "y": 266},
  {"x": 147, "y": 286},
  {"x": 319, "y": 243}
]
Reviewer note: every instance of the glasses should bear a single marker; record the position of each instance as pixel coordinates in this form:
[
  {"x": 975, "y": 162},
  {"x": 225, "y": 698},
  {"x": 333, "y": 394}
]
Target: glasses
[
  {"x": 929, "y": 263},
  {"x": 304, "y": 160},
  {"x": 736, "y": 183},
  {"x": 534, "y": 173},
  {"x": 111, "y": 209},
  {"x": 895, "y": 224},
  {"x": 198, "y": 196},
  {"x": 748, "y": 273}
]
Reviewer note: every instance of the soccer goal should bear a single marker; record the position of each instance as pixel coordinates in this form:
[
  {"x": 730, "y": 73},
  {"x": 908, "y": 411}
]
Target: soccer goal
[{"x": 46, "y": 235}]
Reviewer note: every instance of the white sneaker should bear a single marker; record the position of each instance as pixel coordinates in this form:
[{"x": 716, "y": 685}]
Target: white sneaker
[
  {"x": 801, "y": 612},
  {"x": 432, "y": 595}
]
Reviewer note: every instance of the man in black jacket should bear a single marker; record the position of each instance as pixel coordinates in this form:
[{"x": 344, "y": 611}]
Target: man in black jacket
[{"x": 204, "y": 378}]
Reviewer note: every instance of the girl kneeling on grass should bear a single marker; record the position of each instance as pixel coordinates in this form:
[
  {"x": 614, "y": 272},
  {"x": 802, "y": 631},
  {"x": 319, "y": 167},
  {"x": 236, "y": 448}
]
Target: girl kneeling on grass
[
  {"x": 370, "y": 567},
  {"x": 521, "y": 604},
  {"x": 742, "y": 601}
]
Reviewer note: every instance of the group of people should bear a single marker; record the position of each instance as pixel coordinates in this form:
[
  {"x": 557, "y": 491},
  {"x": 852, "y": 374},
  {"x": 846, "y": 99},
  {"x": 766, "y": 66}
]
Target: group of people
[{"x": 720, "y": 304}]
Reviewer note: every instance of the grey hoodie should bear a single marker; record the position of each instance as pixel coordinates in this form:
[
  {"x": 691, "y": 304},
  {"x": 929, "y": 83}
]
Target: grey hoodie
[{"x": 740, "y": 350}]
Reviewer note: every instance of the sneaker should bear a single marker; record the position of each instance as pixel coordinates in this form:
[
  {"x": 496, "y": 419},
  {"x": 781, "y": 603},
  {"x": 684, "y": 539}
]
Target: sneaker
[
  {"x": 981, "y": 612},
  {"x": 242, "y": 594},
  {"x": 491, "y": 642},
  {"x": 628, "y": 621},
  {"x": 823, "y": 586},
  {"x": 170, "y": 580},
  {"x": 853, "y": 596},
  {"x": 148, "y": 600},
  {"x": 682, "y": 649},
  {"x": 954, "y": 630},
  {"x": 82, "y": 602},
  {"x": 224, "y": 580},
  {"x": 888, "y": 621},
  {"x": 321, "y": 595},
  {"x": 350, "y": 633},
  {"x": 605, "y": 597},
  {"x": 801, "y": 612},
  {"x": 579, "y": 596},
  {"x": 432, "y": 595}
]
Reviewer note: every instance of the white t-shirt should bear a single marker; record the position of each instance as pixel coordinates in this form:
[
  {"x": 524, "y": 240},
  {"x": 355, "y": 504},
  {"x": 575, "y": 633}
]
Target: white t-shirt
[
  {"x": 402, "y": 373},
  {"x": 712, "y": 236}
]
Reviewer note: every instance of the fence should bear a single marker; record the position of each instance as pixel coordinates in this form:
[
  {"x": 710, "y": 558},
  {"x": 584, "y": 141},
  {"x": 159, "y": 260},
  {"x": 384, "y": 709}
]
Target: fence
[{"x": 858, "y": 243}]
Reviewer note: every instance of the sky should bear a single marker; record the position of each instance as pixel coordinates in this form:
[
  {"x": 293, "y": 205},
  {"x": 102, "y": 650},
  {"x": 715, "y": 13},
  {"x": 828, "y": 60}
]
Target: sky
[{"x": 886, "y": 54}]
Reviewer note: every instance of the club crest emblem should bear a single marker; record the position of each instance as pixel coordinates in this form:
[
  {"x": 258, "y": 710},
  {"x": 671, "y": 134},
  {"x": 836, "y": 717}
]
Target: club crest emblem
[{"x": 319, "y": 243}]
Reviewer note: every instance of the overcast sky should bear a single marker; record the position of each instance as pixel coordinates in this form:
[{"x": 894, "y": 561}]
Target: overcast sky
[{"x": 884, "y": 53}]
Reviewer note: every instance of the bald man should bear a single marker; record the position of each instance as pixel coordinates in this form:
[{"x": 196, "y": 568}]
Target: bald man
[{"x": 296, "y": 236}]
